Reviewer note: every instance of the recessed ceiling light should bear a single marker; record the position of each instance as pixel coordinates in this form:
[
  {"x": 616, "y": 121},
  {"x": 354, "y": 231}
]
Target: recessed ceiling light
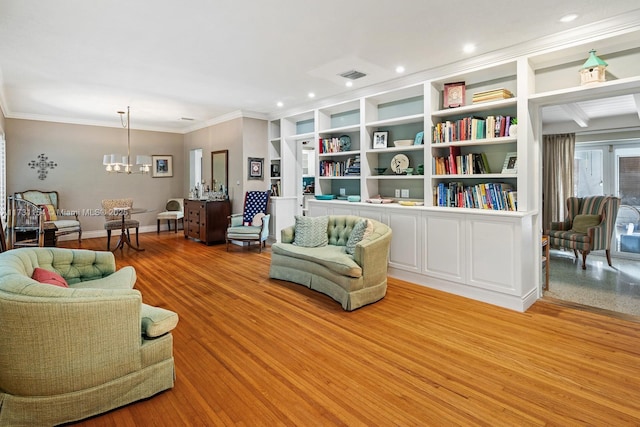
[
  {"x": 279, "y": 104},
  {"x": 468, "y": 48},
  {"x": 569, "y": 18},
  {"x": 399, "y": 69},
  {"x": 312, "y": 95},
  {"x": 349, "y": 84}
]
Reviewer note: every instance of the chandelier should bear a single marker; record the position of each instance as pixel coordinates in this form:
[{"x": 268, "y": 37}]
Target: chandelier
[{"x": 116, "y": 163}]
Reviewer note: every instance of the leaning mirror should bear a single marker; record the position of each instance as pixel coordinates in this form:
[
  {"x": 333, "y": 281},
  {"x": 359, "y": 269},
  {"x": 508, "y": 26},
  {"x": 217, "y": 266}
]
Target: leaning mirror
[{"x": 219, "y": 170}]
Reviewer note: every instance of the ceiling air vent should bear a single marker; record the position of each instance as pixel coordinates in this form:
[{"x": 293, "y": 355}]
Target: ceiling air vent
[{"x": 352, "y": 75}]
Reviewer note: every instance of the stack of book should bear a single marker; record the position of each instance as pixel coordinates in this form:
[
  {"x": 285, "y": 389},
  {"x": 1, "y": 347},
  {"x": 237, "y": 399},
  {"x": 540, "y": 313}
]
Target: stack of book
[
  {"x": 491, "y": 95},
  {"x": 353, "y": 165}
]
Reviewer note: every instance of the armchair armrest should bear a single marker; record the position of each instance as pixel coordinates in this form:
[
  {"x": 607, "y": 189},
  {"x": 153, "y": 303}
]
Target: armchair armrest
[
  {"x": 264, "y": 232},
  {"x": 235, "y": 220},
  {"x": 372, "y": 255},
  {"x": 287, "y": 234},
  {"x": 561, "y": 225}
]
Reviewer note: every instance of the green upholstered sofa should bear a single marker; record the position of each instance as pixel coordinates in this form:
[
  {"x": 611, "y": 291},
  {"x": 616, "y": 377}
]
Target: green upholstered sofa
[
  {"x": 71, "y": 353},
  {"x": 352, "y": 280}
]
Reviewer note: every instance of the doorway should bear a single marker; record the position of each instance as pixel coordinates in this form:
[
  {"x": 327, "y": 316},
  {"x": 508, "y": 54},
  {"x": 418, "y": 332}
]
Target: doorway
[{"x": 605, "y": 168}]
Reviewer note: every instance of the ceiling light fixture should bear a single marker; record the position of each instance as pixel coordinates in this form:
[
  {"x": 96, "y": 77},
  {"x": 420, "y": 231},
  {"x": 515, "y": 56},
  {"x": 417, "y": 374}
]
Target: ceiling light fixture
[
  {"x": 399, "y": 69},
  {"x": 279, "y": 104},
  {"x": 312, "y": 95},
  {"x": 568, "y": 18},
  {"x": 122, "y": 164},
  {"x": 349, "y": 83}
]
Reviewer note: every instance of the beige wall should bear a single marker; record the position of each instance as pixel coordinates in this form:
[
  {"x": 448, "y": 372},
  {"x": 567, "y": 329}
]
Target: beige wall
[
  {"x": 1, "y": 121},
  {"x": 80, "y": 177},
  {"x": 254, "y": 137},
  {"x": 243, "y": 138}
]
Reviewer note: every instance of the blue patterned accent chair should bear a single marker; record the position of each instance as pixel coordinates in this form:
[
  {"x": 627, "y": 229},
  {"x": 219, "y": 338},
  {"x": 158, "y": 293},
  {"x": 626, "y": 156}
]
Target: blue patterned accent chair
[
  {"x": 253, "y": 224},
  {"x": 588, "y": 226}
]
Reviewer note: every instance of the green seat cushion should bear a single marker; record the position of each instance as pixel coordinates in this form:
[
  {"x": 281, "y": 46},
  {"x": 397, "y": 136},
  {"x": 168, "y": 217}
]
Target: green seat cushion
[
  {"x": 332, "y": 257},
  {"x": 582, "y": 222},
  {"x": 244, "y": 230}
]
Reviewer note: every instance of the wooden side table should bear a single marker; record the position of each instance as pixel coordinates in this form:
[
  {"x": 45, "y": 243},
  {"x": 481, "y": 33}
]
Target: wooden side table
[{"x": 545, "y": 260}]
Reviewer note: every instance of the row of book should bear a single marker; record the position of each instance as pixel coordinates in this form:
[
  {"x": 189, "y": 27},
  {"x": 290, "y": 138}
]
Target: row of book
[
  {"x": 492, "y": 195},
  {"x": 471, "y": 128},
  {"x": 331, "y": 145},
  {"x": 491, "y": 95},
  {"x": 351, "y": 166},
  {"x": 461, "y": 164}
]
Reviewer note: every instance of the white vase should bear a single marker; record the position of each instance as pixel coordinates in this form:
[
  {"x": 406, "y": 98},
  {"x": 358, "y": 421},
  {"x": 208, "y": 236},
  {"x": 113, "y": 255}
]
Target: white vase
[{"x": 513, "y": 130}]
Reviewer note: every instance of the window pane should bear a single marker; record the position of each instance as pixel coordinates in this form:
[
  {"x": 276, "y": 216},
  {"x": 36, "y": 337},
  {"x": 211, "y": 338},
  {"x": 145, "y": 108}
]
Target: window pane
[
  {"x": 629, "y": 180},
  {"x": 588, "y": 173}
]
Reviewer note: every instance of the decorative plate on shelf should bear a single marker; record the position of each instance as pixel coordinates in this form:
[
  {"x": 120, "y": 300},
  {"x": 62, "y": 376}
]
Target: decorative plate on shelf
[
  {"x": 399, "y": 163},
  {"x": 345, "y": 143}
]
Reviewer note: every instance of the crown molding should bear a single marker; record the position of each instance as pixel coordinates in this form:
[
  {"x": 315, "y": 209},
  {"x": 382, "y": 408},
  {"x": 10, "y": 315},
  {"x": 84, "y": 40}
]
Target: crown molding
[
  {"x": 607, "y": 28},
  {"x": 238, "y": 114}
]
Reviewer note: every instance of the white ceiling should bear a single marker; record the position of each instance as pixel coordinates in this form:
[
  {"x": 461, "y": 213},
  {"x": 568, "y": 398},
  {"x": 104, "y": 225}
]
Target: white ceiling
[{"x": 81, "y": 61}]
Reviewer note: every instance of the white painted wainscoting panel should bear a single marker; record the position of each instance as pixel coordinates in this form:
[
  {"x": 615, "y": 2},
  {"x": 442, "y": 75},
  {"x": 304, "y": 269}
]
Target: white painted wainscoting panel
[
  {"x": 444, "y": 246},
  {"x": 492, "y": 253},
  {"x": 406, "y": 244},
  {"x": 489, "y": 256}
]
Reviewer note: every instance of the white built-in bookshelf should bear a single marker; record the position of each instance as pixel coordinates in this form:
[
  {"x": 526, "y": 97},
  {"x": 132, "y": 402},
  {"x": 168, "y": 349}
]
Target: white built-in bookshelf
[{"x": 490, "y": 253}]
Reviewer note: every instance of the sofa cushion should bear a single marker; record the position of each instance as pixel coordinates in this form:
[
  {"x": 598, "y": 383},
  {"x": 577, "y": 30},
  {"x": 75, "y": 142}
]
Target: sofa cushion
[
  {"x": 50, "y": 277},
  {"x": 157, "y": 321},
  {"x": 311, "y": 232},
  {"x": 582, "y": 222},
  {"x": 357, "y": 234},
  {"x": 330, "y": 256}
]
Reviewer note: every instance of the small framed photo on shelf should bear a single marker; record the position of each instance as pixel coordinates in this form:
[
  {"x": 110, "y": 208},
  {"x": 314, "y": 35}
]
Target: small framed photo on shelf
[
  {"x": 275, "y": 170},
  {"x": 161, "y": 166},
  {"x": 510, "y": 163},
  {"x": 255, "y": 167},
  {"x": 453, "y": 95},
  {"x": 380, "y": 139}
]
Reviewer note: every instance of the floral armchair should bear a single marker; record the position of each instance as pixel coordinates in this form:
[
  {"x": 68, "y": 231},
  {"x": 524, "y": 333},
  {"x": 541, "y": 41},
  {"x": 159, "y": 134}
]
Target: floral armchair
[{"x": 66, "y": 221}]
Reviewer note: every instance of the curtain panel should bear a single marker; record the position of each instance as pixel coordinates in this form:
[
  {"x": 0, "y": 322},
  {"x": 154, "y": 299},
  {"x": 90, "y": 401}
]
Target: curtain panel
[{"x": 557, "y": 176}]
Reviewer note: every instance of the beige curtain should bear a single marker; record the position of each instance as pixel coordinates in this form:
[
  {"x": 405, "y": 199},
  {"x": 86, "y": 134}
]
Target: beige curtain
[{"x": 557, "y": 176}]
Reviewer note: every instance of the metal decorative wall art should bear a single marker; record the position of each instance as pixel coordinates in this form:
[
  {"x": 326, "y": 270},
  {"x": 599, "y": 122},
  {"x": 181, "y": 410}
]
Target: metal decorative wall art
[{"x": 41, "y": 165}]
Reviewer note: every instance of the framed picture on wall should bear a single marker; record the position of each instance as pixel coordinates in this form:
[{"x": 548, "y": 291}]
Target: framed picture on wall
[
  {"x": 161, "y": 166},
  {"x": 255, "y": 167}
]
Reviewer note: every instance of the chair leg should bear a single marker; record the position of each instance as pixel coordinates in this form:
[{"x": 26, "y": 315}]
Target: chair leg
[
  {"x": 575, "y": 252},
  {"x": 108, "y": 240},
  {"x": 608, "y": 252},
  {"x": 175, "y": 223},
  {"x": 80, "y": 236},
  {"x": 584, "y": 260},
  {"x": 137, "y": 243},
  {"x": 158, "y": 226}
]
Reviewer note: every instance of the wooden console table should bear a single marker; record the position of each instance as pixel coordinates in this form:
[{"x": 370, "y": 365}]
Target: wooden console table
[{"x": 206, "y": 220}]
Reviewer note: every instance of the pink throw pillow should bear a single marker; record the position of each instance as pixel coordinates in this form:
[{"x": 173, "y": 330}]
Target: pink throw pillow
[{"x": 49, "y": 277}]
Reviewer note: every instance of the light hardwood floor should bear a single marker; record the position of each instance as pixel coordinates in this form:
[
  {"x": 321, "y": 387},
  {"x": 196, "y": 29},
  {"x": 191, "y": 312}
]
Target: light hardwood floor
[{"x": 253, "y": 351}]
